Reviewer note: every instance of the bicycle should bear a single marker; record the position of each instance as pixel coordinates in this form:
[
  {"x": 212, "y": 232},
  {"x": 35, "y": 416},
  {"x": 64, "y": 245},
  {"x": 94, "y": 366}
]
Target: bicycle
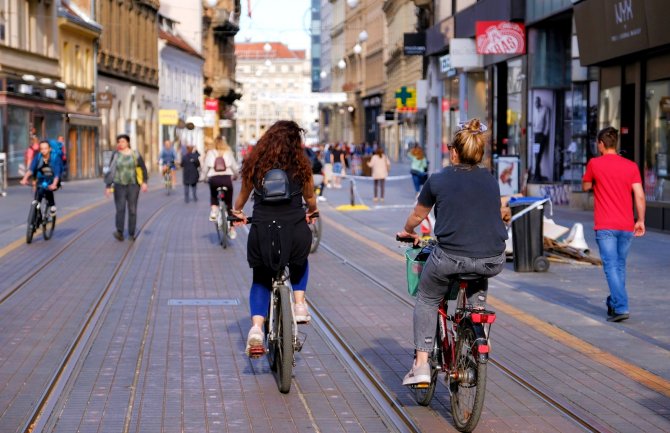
[
  {"x": 316, "y": 227},
  {"x": 222, "y": 222},
  {"x": 167, "y": 179},
  {"x": 39, "y": 215},
  {"x": 461, "y": 349},
  {"x": 282, "y": 338}
]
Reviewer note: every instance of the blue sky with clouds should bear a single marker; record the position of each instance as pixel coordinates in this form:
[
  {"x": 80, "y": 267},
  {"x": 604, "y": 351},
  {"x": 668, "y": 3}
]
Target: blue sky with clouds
[{"x": 284, "y": 21}]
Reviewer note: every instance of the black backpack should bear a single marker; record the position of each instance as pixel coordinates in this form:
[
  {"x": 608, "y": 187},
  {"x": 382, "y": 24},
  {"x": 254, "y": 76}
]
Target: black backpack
[{"x": 275, "y": 187}]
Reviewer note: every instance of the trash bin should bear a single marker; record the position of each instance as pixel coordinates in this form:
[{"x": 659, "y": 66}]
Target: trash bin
[
  {"x": 3, "y": 174},
  {"x": 527, "y": 234}
]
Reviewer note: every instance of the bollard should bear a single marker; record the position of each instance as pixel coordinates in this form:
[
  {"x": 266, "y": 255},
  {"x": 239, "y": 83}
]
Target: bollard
[{"x": 351, "y": 192}]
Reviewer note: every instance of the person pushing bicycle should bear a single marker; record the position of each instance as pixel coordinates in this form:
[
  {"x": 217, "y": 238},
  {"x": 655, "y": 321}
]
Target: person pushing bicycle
[
  {"x": 279, "y": 234},
  {"x": 47, "y": 167},
  {"x": 469, "y": 230}
]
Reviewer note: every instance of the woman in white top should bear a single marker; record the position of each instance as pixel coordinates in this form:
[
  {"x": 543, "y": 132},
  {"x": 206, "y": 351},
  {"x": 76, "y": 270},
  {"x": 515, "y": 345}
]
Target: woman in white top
[
  {"x": 221, "y": 166},
  {"x": 380, "y": 165}
]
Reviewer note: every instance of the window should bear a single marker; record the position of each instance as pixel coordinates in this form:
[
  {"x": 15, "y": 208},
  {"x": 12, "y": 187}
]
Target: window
[
  {"x": 3, "y": 20},
  {"x": 657, "y": 146}
]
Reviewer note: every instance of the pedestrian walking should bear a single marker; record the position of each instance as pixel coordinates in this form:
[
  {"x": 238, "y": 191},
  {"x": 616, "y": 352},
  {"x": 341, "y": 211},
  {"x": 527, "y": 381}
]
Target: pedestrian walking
[
  {"x": 380, "y": 165},
  {"x": 418, "y": 167},
  {"x": 327, "y": 166},
  {"x": 615, "y": 180},
  {"x": 190, "y": 163},
  {"x": 337, "y": 159},
  {"x": 127, "y": 175},
  {"x": 221, "y": 166}
]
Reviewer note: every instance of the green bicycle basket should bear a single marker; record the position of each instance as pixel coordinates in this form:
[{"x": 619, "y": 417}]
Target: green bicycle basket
[{"x": 415, "y": 258}]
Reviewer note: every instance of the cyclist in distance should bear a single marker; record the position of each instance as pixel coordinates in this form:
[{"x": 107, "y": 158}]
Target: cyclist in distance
[
  {"x": 469, "y": 231},
  {"x": 282, "y": 224},
  {"x": 47, "y": 166},
  {"x": 167, "y": 159}
]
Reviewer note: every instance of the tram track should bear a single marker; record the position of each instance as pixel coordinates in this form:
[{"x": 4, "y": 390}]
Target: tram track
[
  {"x": 38, "y": 418},
  {"x": 395, "y": 413}
]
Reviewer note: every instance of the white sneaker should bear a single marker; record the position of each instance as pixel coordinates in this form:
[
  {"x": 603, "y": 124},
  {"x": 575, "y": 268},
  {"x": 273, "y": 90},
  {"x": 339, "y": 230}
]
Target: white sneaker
[
  {"x": 416, "y": 375},
  {"x": 301, "y": 313},
  {"x": 53, "y": 210},
  {"x": 232, "y": 234},
  {"x": 255, "y": 348},
  {"x": 321, "y": 198},
  {"x": 212, "y": 215}
]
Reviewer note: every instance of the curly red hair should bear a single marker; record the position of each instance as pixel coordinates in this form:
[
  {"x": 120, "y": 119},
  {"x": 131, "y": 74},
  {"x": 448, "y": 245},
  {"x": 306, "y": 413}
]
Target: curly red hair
[{"x": 279, "y": 147}]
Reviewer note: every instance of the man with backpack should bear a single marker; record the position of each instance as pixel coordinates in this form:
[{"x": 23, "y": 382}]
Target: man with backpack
[
  {"x": 167, "y": 159},
  {"x": 47, "y": 166}
]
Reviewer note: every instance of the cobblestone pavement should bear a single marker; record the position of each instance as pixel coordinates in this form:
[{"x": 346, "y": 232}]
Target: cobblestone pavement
[{"x": 150, "y": 365}]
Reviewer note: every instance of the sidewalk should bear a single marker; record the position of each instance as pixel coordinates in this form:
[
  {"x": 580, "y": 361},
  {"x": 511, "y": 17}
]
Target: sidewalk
[{"x": 569, "y": 296}]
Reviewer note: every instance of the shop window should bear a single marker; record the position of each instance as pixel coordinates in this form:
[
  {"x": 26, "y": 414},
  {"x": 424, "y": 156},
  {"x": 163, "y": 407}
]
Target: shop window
[
  {"x": 610, "y": 100},
  {"x": 657, "y": 141},
  {"x": 17, "y": 128}
]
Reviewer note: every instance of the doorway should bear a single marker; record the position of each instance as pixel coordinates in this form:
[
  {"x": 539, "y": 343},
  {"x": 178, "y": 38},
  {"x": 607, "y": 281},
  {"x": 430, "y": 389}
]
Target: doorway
[{"x": 627, "y": 140}]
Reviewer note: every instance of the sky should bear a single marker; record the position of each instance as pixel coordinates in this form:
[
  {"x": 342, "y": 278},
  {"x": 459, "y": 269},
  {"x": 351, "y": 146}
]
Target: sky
[{"x": 286, "y": 21}]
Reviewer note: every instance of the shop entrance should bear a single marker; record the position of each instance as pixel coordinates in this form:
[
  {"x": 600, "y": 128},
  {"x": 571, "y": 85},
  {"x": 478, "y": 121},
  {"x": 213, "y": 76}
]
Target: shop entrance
[{"x": 627, "y": 140}]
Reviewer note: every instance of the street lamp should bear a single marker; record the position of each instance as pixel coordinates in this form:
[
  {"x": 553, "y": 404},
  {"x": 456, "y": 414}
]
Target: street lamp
[
  {"x": 267, "y": 48},
  {"x": 211, "y": 3},
  {"x": 352, "y": 3},
  {"x": 323, "y": 74},
  {"x": 358, "y": 49},
  {"x": 341, "y": 64},
  {"x": 363, "y": 36}
]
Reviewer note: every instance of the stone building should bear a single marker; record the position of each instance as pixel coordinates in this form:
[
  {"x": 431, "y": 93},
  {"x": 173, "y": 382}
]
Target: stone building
[
  {"x": 277, "y": 85},
  {"x": 128, "y": 74},
  {"x": 78, "y": 37},
  {"x": 32, "y": 97}
]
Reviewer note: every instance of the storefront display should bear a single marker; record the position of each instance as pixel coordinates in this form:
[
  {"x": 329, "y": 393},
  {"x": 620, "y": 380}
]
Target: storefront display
[
  {"x": 17, "y": 140},
  {"x": 450, "y": 114},
  {"x": 657, "y": 147}
]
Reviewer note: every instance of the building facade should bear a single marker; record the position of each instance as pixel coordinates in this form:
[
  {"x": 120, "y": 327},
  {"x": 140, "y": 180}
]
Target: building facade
[
  {"x": 219, "y": 26},
  {"x": 127, "y": 95},
  {"x": 276, "y": 84},
  {"x": 180, "y": 86},
  {"x": 32, "y": 95},
  {"x": 78, "y": 39}
]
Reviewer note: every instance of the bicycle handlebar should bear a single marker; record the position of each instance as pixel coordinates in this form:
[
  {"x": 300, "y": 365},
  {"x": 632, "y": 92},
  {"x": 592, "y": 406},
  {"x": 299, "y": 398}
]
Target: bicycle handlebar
[{"x": 233, "y": 218}]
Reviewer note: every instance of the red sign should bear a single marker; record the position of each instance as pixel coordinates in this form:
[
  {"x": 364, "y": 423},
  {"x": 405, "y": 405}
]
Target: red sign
[
  {"x": 445, "y": 105},
  {"x": 211, "y": 104},
  {"x": 500, "y": 37}
]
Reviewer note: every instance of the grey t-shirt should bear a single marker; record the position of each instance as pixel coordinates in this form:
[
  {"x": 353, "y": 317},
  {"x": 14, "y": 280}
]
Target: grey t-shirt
[{"x": 467, "y": 211}]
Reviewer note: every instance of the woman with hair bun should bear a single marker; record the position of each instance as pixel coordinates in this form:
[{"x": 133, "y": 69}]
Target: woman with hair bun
[{"x": 469, "y": 231}]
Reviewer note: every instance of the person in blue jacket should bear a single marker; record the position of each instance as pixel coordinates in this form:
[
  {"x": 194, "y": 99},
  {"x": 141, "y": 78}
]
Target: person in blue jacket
[{"x": 47, "y": 167}]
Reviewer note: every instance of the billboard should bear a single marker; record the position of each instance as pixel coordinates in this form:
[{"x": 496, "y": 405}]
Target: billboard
[{"x": 500, "y": 37}]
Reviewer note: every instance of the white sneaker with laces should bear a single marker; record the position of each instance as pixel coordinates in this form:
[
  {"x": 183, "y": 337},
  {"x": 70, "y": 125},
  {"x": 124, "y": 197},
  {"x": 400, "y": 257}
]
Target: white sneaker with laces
[
  {"x": 255, "y": 339},
  {"x": 212, "y": 215},
  {"x": 417, "y": 374}
]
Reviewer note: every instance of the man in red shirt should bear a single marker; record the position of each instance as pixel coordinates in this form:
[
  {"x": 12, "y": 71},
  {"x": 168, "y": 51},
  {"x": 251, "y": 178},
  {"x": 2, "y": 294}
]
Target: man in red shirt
[{"x": 615, "y": 180}]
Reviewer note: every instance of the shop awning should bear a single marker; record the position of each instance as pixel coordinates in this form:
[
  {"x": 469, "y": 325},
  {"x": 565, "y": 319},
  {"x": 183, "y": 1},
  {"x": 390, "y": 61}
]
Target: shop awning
[{"x": 84, "y": 120}]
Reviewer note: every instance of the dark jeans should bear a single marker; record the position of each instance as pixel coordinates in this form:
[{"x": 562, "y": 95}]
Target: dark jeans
[
  {"x": 126, "y": 194},
  {"x": 543, "y": 140},
  {"x": 44, "y": 192},
  {"x": 194, "y": 188},
  {"x": 419, "y": 179},
  {"x": 381, "y": 183},
  {"x": 219, "y": 181}
]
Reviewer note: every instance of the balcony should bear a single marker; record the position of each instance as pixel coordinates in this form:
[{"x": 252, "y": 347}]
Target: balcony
[{"x": 224, "y": 22}]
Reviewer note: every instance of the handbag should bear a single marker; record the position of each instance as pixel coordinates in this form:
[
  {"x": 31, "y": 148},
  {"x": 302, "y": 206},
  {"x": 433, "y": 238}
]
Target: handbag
[
  {"x": 138, "y": 171},
  {"x": 416, "y": 259}
]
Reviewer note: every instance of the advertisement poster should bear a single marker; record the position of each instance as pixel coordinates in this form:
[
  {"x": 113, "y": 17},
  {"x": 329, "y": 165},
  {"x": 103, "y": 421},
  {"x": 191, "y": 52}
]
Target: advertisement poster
[
  {"x": 541, "y": 135},
  {"x": 507, "y": 172}
]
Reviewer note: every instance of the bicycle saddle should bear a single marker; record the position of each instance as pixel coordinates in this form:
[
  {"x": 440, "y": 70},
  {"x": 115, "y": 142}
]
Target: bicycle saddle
[{"x": 468, "y": 276}]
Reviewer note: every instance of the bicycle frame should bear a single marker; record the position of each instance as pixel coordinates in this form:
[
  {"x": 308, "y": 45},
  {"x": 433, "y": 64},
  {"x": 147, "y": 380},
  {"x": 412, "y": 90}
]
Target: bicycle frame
[{"x": 282, "y": 279}]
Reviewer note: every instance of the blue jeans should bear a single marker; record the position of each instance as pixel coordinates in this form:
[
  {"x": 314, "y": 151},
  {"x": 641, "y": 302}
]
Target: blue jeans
[{"x": 614, "y": 246}]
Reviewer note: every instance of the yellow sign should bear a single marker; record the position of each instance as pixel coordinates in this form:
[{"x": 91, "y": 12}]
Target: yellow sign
[
  {"x": 405, "y": 99},
  {"x": 168, "y": 117}
]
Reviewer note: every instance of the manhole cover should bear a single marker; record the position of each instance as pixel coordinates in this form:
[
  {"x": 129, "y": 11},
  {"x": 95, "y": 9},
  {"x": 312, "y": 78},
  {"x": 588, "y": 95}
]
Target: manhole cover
[{"x": 203, "y": 302}]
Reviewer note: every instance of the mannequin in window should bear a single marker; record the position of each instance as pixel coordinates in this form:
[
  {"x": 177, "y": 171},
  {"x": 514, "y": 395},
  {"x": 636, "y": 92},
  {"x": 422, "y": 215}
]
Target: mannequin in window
[{"x": 541, "y": 125}]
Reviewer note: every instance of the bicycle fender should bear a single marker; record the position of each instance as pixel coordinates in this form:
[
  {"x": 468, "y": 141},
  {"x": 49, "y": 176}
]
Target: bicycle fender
[{"x": 481, "y": 343}]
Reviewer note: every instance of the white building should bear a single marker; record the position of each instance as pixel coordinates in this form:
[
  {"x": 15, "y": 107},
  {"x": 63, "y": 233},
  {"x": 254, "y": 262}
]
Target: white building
[
  {"x": 276, "y": 85},
  {"x": 180, "y": 87}
]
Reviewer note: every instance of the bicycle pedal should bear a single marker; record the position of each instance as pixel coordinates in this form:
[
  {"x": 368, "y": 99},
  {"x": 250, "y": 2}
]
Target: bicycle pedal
[
  {"x": 257, "y": 352},
  {"x": 421, "y": 385}
]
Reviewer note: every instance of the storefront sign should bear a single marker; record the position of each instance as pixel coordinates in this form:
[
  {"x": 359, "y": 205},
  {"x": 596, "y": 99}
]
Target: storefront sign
[
  {"x": 211, "y": 104},
  {"x": 405, "y": 99},
  {"x": 415, "y": 44},
  {"x": 500, "y": 37},
  {"x": 445, "y": 64},
  {"x": 624, "y": 27},
  {"x": 439, "y": 35},
  {"x": 104, "y": 99},
  {"x": 463, "y": 53},
  {"x": 168, "y": 117}
]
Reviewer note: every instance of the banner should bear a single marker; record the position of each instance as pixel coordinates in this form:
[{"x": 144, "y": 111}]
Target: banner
[
  {"x": 168, "y": 117},
  {"x": 500, "y": 37},
  {"x": 211, "y": 104}
]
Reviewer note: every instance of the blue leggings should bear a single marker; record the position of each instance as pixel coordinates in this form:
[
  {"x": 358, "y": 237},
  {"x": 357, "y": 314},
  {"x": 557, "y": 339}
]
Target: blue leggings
[{"x": 261, "y": 288}]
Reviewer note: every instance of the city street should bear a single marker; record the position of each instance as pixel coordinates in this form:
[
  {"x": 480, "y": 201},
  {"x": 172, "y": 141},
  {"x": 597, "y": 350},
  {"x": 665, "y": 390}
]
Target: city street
[{"x": 148, "y": 336}]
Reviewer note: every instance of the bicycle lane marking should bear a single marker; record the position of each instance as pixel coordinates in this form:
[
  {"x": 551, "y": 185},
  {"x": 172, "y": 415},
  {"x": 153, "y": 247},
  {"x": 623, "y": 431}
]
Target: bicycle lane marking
[
  {"x": 632, "y": 371},
  {"x": 60, "y": 220}
]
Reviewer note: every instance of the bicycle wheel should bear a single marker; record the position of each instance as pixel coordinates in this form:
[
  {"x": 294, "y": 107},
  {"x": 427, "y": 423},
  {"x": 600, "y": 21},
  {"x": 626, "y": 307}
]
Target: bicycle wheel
[
  {"x": 48, "y": 226},
  {"x": 467, "y": 391},
  {"x": 423, "y": 395},
  {"x": 316, "y": 234},
  {"x": 284, "y": 348},
  {"x": 168, "y": 183},
  {"x": 223, "y": 225},
  {"x": 32, "y": 223}
]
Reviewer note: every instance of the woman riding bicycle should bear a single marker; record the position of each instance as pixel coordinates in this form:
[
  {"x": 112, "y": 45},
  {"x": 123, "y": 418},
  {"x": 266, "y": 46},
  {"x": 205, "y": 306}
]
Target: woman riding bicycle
[
  {"x": 469, "y": 231},
  {"x": 47, "y": 167},
  {"x": 282, "y": 225}
]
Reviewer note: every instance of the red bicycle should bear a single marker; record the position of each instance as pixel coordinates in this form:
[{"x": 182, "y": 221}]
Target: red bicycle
[{"x": 461, "y": 349}]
